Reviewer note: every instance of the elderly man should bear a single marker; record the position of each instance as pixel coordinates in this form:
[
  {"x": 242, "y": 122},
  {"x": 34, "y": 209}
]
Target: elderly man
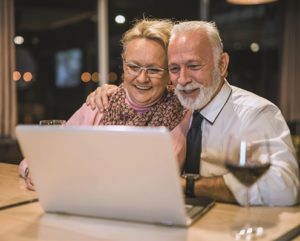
[{"x": 198, "y": 68}]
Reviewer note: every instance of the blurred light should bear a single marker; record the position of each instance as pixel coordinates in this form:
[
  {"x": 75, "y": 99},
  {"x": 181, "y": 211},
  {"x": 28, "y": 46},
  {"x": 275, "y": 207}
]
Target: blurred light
[
  {"x": 18, "y": 40},
  {"x": 86, "y": 77},
  {"x": 27, "y": 76},
  {"x": 95, "y": 77},
  {"x": 16, "y": 75},
  {"x": 249, "y": 2},
  {"x": 113, "y": 76},
  {"x": 120, "y": 19},
  {"x": 254, "y": 47}
]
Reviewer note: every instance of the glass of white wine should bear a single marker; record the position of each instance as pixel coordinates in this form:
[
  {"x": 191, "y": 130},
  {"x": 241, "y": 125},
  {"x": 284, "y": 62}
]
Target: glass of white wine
[
  {"x": 248, "y": 158},
  {"x": 52, "y": 122}
]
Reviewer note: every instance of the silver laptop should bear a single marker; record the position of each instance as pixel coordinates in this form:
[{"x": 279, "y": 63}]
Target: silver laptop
[{"x": 115, "y": 172}]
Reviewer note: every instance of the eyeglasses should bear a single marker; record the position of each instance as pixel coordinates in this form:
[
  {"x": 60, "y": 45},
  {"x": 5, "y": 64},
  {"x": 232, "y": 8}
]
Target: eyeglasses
[{"x": 152, "y": 72}]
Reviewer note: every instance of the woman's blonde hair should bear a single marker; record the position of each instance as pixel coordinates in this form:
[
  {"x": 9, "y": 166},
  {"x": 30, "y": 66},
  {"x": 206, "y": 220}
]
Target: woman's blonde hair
[{"x": 154, "y": 29}]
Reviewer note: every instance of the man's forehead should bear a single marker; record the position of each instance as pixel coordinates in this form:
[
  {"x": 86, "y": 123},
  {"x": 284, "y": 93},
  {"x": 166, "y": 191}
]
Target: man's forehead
[
  {"x": 192, "y": 41},
  {"x": 187, "y": 34},
  {"x": 181, "y": 37}
]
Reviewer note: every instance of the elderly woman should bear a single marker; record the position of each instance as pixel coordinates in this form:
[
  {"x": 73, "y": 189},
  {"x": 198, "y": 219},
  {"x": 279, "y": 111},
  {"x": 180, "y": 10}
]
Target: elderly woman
[{"x": 144, "y": 99}]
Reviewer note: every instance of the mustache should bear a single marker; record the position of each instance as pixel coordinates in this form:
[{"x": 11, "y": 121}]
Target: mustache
[{"x": 188, "y": 87}]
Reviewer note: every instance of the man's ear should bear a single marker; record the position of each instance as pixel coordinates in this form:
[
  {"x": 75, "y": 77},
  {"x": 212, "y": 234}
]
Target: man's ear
[{"x": 223, "y": 64}]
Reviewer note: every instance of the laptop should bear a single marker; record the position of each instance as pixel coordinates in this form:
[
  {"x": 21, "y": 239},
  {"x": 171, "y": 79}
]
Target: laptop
[{"x": 114, "y": 172}]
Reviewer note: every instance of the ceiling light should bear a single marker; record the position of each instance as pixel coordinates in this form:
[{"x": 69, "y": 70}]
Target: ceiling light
[
  {"x": 120, "y": 19},
  {"x": 18, "y": 40},
  {"x": 249, "y": 2},
  {"x": 254, "y": 47}
]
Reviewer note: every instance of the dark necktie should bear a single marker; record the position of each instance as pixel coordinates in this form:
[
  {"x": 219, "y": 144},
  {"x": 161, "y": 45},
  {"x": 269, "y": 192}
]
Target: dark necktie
[{"x": 194, "y": 142}]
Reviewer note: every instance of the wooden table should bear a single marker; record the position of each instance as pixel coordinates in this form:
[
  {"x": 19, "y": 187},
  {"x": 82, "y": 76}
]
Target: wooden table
[
  {"x": 12, "y": 188},
  {"x": 29, "y": 222}
]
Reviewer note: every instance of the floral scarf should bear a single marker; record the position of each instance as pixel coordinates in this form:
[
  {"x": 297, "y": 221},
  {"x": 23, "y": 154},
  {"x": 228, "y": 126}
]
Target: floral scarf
[{"x": 166, "y": 112}]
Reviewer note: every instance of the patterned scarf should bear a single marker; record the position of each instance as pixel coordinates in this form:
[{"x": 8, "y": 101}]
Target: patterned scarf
[{"x": 166, "y": 112}]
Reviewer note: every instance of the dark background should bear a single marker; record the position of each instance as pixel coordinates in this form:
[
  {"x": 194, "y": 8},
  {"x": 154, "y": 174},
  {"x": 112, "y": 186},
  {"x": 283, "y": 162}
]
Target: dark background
[{"x": 49, "y": 26}]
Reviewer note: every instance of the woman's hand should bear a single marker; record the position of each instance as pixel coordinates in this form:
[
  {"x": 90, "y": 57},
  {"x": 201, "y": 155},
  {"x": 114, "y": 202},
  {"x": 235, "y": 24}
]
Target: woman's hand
[
  {"x": 28, "y": 180},
  {"x": 99, "y": 98}
]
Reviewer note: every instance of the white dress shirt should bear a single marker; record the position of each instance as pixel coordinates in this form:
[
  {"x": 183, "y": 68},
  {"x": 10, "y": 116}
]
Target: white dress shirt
[{"x": 235, "y": 109}]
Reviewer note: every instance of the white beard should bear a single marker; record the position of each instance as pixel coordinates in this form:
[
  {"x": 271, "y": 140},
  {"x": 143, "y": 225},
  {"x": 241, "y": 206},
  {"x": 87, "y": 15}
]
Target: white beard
[{"x": 205, "y": 95}]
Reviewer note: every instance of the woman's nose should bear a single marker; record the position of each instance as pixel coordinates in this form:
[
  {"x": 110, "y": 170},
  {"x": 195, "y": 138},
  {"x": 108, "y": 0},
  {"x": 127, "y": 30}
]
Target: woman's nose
[{"x": 143, "y": 76}]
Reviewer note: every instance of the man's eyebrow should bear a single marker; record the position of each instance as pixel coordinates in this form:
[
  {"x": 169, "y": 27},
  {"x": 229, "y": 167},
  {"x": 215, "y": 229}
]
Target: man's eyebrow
[
  {"x": 172, "y": 63},
  {"x": 194, "y": 61}
]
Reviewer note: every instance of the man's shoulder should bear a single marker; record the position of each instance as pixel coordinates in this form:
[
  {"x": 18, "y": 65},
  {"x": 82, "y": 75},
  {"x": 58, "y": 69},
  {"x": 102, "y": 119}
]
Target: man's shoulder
[
  {"x": 253, "y": 111},
  {"x": 244, "y": 98}
]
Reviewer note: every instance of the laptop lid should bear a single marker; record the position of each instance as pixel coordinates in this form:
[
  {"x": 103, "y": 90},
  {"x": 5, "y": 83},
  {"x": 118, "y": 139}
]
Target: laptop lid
[{"x": 117, "y": 172}]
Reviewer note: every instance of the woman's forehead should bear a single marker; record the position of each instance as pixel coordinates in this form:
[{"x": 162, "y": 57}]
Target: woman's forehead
[
  {"x": 145, "y": 50},
  {"x": 144, "y": 44}
]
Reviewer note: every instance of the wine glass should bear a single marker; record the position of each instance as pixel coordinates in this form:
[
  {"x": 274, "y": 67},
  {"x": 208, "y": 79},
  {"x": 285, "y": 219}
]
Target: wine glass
[
  {"x": 52, "y": 122},
  {"x": 248, "y": 158}
]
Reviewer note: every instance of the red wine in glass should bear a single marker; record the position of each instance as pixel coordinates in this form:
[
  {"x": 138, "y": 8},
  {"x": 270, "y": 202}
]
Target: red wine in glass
[
  {"x": 248, "y": 174},
  {"x": 248, "y": 159}
]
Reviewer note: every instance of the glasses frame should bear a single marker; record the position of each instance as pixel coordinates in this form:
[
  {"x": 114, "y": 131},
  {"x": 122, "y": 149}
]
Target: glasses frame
[{"x": 159, "y": 74}]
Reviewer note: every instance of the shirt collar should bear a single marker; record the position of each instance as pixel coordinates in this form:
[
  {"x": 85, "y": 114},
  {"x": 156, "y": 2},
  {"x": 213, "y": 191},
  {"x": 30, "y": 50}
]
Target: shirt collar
[{"x": 212, "y": 110}]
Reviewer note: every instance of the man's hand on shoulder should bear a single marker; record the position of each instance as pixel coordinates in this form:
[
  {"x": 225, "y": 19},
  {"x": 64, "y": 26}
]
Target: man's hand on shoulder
[{"x": 99, "y": 97}]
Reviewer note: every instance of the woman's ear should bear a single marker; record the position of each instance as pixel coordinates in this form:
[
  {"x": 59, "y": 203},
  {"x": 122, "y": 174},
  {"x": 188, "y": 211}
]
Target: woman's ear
[{"x": 223, "y": 64}]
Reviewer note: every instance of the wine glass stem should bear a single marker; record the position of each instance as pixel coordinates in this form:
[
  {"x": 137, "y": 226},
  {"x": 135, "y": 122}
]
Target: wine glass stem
[
  {"x": 248, "y": 224},
  {"x": 247, "y": 198}
]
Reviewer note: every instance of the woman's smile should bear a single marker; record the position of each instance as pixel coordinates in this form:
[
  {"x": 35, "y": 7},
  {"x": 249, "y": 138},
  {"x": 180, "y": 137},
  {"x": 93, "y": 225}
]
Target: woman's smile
[{"x": 142, "y": 87}]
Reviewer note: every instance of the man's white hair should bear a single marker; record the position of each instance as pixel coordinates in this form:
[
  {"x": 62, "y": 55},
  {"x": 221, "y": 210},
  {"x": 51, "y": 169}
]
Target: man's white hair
[{"x": 202, "y": 26}]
